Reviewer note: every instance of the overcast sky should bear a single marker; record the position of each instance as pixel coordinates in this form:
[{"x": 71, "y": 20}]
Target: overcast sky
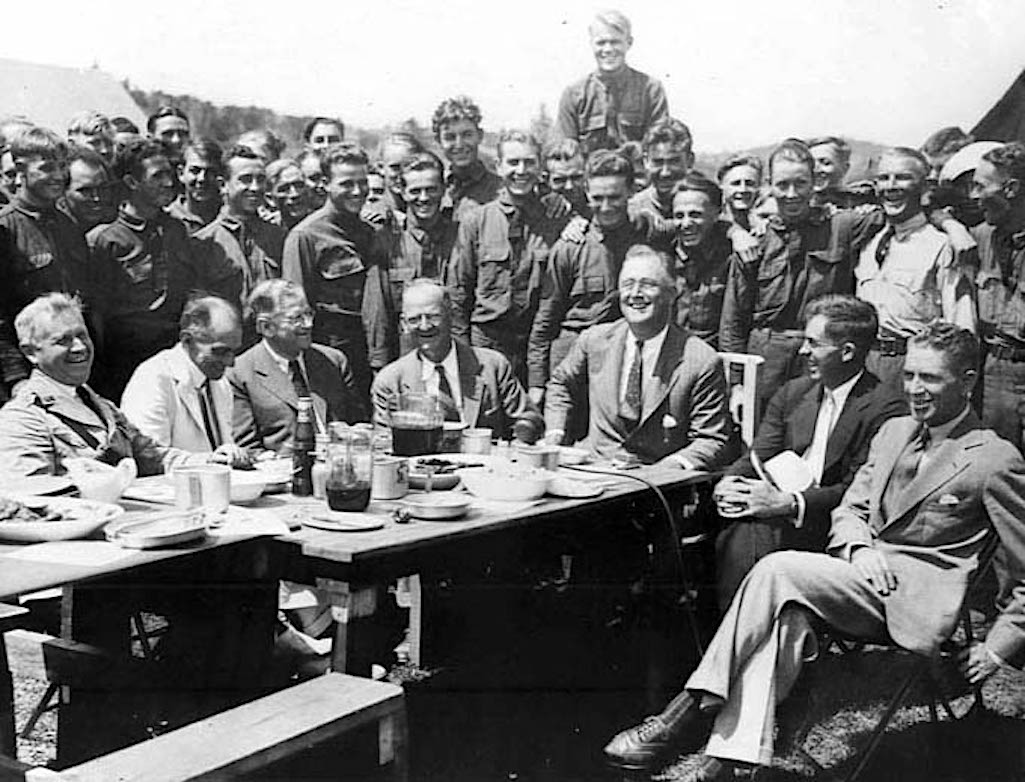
[{"x": 739, "y": 72}]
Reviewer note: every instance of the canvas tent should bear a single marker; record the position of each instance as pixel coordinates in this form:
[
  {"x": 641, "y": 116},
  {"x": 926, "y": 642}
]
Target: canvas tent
[
  {"x": 49, "y": 95},
  {"x": 1006, "y": 120}
]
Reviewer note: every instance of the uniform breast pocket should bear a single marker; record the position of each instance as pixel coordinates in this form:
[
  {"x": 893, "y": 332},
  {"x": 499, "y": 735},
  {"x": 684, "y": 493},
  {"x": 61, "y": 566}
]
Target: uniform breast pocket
[
  {"x": 334, "y": 266},
  {"x": 494, "y": 272},
  {"x": 631, "y": 124},
  {"x": 824, "y": 268},
  {"x": 589, "y": 290}
]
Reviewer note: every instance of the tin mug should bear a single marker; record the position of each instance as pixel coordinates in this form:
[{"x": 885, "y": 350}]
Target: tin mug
[{"x": 390, "y": 480}]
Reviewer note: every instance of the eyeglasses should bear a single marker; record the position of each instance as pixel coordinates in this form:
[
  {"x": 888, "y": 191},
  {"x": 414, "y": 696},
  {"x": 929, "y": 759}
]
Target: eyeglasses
[
  {"x": 646, "y": 285},
  {"x": 432, "y": 318},
  {"x": 304, "y": 318}
]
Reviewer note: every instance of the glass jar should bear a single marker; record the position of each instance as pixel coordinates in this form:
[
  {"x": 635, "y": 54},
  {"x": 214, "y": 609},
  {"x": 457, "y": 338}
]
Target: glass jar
[
  {"x": 416, "y": 424},
  {"x": 350, "y": 464}
]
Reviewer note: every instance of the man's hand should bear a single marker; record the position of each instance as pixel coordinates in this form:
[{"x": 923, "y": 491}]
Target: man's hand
[
  {"x": 554, "y": 437},
  {"x": 375, "y": 216},
  {"x": 233, "y": 456},
  {"x": 537, "y": 394},
  {"x": 557, "y": 206},
  {"x": 526, "y": 430},
  {"x": 575, "y": 230},
  {"x": 761, "y": 500},
  {"x": 977, "y": 664},
  {"x": 873, "y": 566}
]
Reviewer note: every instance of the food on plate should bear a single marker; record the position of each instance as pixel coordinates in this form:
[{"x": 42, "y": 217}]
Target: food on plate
[
  {"x": 13, "y": 510},
  {"x": 441, "y": 466}
]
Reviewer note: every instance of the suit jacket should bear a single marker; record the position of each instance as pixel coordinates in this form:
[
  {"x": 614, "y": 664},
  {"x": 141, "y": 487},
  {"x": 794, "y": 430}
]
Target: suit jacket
[
  {"x": 266, "y": 403},
  {"x": 688, "y": 385},
  {"x": 162, "y": 400},
  {"x": 789, "y": 425},
  {"x": 43, "y": 425},
  {"x": 492, "y": 396},
  {"x": 972, "y": 484}
]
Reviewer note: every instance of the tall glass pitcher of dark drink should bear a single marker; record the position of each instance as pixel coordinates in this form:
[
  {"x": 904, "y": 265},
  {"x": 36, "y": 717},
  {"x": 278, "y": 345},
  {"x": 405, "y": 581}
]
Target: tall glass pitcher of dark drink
[{"x": 416, "y": 424}]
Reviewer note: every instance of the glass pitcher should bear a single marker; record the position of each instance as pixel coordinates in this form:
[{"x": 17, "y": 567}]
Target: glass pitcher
[
  {"x": 416, "y": 424},
  {"x": 350, "y": 464}
]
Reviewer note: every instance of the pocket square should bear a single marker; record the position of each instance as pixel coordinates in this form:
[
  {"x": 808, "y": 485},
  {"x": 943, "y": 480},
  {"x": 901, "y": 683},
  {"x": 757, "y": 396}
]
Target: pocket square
[{"x": 948, "y": 499}]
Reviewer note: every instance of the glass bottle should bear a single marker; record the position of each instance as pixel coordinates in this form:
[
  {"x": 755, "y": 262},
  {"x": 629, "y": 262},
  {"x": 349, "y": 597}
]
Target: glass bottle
[
  {"x": 320, "y": 467},
  {"x": 303, "y": 443}
]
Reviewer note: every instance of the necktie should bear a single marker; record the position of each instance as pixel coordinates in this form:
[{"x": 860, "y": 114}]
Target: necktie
[
  {"x": 815, "y": 456},
  {"x": 448, "y": 402},
  {"x": 883, "y": 248},
  {"x": 906, "y": 467},
  {"x": 209, "y": 411},
  {"x": 630, "y": 409},
  {"x": 295, "y": 372}
]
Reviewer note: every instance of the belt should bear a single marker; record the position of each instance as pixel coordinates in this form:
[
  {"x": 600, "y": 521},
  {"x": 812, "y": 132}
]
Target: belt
[
  {"x": 1001, "y": 350},
  {"x": 891, "y": 346}
]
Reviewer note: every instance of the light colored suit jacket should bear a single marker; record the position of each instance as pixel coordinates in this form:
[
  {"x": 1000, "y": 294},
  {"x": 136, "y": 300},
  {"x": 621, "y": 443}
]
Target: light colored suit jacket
[
  {"x": 688, "y": 385},
  {"x": 266, "y": 403},
  {"x": 162, "y": 400},
  {"x": 492, "y": 396},
  {"x": 42, "y": 426},
  {"x": 972, "y": 484}
]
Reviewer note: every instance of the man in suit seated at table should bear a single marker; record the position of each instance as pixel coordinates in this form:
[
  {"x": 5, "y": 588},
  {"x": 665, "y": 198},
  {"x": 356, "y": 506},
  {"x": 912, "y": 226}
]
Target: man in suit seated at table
[
  {"x": 903, "y": 544},
  {"x": 827, "y": 418},
  {"x": 475, "y": 385},
  {"x": 55, "y": 416},
  {"x": 654, "y": 390},
  {"x": 180, "y": 396},
  {"x": 269, "y": 378}
]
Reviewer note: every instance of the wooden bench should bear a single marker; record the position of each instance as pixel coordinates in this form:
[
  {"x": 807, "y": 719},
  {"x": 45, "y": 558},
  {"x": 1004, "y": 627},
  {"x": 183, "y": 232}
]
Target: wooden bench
[
  {"x": 11, "y": 618},
  {"x": 241, "y": 740}
]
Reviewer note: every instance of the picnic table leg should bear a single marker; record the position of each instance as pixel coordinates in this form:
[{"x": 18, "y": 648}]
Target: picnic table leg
[
  {"x": 8, "y": 742},
  {"x": 356, "y": 610}
]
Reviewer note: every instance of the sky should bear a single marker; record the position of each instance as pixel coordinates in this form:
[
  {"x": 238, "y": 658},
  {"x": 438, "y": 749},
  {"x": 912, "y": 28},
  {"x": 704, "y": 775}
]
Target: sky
[{"x": 740, "y": 73}]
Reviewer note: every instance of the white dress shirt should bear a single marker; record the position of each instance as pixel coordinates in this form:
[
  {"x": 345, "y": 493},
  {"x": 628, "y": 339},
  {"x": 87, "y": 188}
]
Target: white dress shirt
[{"x": 429, "y": 375}]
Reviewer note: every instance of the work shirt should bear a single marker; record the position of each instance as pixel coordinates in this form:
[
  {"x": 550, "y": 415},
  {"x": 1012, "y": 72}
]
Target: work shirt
[
  {"x": 701, "y": 274},
  {"x": 907, "y": 272},
  {"x": 500, "y": 258},
  {"x": 579, "y": 290},
  {"x": 234, "y": 254},
  {"x": 602, "y": 111},
  {"x": 647, "y": 210},
  {"x": 146, "y": 271},
  {"x": 41, "y": 250},
  {"x": 469, "y": 189},
  {"x": 1000, "y": 282},
  {"x": 179, "y": 210},
  {"x": 337, "y": 258},
  {"x": 792, "y": 265},
  {"x": 420, "y": 251}
]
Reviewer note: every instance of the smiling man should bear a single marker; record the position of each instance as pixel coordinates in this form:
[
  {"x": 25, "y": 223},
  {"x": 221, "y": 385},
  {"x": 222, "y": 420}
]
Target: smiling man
[
  {"x": 456, "y": 125},
  {"x": 615, "y": 103},
  {"x": 668, "y": 156},
  {"x": 268, "y": 379},
  {"x": 827, "y": 418},
  {"x": 144, "y": 265},
  {"x": 741, "y": 181},
  {"x": 475, "y": 385},
  {"x": 180, "y": 397},
  {"x": 170, "y": 126},
  {"x": 89, "y": 198},
  {"x": 201, "y": 180},
  {"x": 501, "y": 255},
  {"x": 323, "y": 132},
  {"x": 653, "y": 389},
  {"x": 55, "y": 416},
  {"x": 239, "y": 249},
  {"x": 903, "y": 544},
  {"x": 907, "y": 271},
  {"x": 580, "y": 286}
]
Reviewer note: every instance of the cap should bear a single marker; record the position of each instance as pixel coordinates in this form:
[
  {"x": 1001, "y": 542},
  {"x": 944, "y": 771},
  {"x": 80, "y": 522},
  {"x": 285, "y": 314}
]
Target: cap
[{"x": 966, "y": 159}]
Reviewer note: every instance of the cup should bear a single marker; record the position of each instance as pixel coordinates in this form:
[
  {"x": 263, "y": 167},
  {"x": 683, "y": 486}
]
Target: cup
[
  {"x": 205, "y": 486},
  {"x": 545, "y": 457},
  {"x": 390, "y": 479},
  {"x": 452, "y": 436},
  {"x": 477, "y": 441}
]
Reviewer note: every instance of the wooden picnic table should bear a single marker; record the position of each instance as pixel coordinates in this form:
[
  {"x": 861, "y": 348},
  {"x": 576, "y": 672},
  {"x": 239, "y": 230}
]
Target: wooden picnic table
[{"x": 356, "y": 568}]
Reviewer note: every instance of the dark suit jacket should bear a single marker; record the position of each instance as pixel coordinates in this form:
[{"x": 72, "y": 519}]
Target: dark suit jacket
[
  {"x": 492, "y": 396},
  {"x": 972, "y": 485},
  {"x": 688, "y": 387},
  {"x": 266, "y": 403},
  {"x": 789, "y": 425}
]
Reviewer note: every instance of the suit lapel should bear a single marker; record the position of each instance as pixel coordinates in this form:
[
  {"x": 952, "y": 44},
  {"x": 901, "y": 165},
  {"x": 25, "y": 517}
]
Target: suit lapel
[
  {"x": 840, "y": 437},
  {"x": 803, "y": 419},
  {"x": 276, "y": 382},
  {"x": 184, "y": 388},
  {"x": 470, "y": 382},
  {"x": 661, "y": 382},
  {"x": 607, "y": 392},
  {"x": 315, "y": 369},
  {"x": 901, "y": 437}
]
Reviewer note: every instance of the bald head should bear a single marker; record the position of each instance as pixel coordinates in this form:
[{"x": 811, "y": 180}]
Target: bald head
[
  {"x": 211, "y": 334},
  {"x": 427, "y": 317}
]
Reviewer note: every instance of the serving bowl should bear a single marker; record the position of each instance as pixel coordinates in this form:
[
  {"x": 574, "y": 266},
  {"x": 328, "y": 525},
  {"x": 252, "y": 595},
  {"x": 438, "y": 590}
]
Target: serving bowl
[
  {"x": 517, "y": 485},
  {"x": 436, "y": 507},
  {"x": 81, "y": 519},
  {"x": 247, "y": 486}
]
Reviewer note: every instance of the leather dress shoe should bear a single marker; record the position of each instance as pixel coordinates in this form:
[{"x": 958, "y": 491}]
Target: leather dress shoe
[{"x": 642, "y": 746}]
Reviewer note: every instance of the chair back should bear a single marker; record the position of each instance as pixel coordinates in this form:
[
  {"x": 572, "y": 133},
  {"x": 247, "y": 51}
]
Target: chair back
[{"x": 743, "y": 397}]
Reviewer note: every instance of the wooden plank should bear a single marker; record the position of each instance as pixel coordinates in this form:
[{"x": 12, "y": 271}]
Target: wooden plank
[{"x": 248, "y": 737}]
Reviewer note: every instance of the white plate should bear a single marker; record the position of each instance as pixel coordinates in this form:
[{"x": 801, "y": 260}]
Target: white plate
[
  {"x": 159, "y": 530},
  {"x": 342, "y": 523},
  {"x": 573, "y": 490},
  {"x": 83, "y": 518},
  {"x": 44, "y": 484}
]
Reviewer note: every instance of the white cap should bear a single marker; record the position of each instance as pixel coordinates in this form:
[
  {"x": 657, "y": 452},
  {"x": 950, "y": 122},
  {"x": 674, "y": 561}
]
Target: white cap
[{"x": 966, "y": 159}]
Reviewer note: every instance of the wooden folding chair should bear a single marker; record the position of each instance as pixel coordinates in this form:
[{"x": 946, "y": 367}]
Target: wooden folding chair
[{"x": 923, "y": 668}]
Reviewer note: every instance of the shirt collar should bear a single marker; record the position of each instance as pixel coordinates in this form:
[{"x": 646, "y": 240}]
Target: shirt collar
[
  {"x": 137, "y": 224},
  {"x": 942, "y": 432},
  {"x": 469, "y": 175},
  {"x": 903, "y": 230},
  {"x": 449, "y": 364},
  {"x": 816, "y": 216},
  {"x": 843, "y": 391},
  {"x": 651, "y": 343},
  {"x": 196, "y": 376},
  {"x": 281, "y": 361},
  {"x": 528, "y": 208}
]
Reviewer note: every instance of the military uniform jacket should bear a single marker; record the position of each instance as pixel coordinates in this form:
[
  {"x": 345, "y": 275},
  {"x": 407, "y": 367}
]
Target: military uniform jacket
[
  {"x": 701, "y": 274},
  {"x": 235, "y": 254},
  {"x": 1000, "y": 283}
]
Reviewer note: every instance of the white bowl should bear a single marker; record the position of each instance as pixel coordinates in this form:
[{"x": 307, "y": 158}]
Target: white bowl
[
  {"x": 81, "y": 519},
  {"x": 436, "y": 506},
  {"x": 246, "y": 486},
  {"x": 517, "y": 486}
]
